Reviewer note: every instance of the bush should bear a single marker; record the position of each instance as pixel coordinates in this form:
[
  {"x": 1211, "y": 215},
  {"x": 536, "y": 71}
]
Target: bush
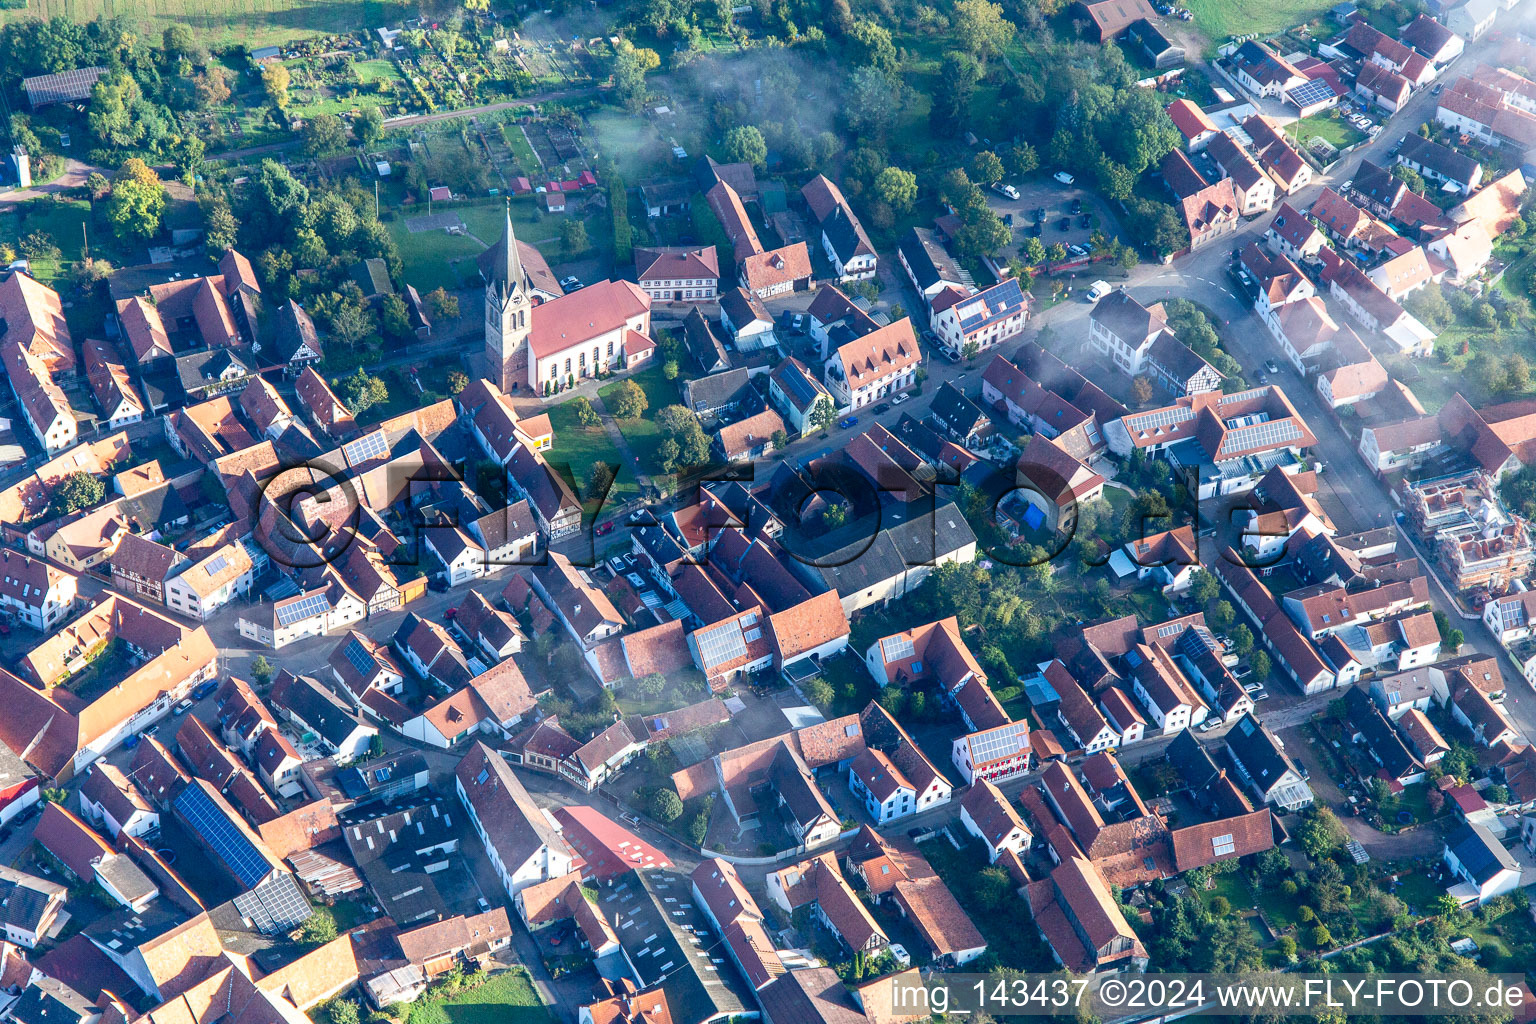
[
  {"x": 1305, "y": 915},
  {"x": 1220, "y": 906},
  {"x": 1287, "y": 947},
  {"x": 1321, "y": 938},
  {"x": 1288, "y": 887},
  {"x": 666, "y": 807}
]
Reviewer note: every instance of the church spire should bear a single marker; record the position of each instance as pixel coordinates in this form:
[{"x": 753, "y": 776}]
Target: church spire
[{"x": 508, "y": 262}]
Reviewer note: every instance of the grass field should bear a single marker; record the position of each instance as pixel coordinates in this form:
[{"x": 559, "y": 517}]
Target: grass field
[
  {"x": 221, "y": 23},
  {"x": 577, "y": 448},
  {"x": 643, "y": 435},
  {"x": 507, "y": 998},
  {"x": 1334, "y": 129},
  {"x": 1221, "y": 19},
  {"x": 427, "y": 257}
]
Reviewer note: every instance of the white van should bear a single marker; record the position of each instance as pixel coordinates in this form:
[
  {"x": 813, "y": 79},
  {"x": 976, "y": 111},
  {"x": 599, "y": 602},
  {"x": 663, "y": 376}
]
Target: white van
[{"x": 1098, "y": 290}]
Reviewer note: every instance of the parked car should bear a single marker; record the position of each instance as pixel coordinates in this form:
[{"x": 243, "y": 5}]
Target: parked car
[
  {"x": 1271, "y": 366},
  {"x": 883, "y": 407},
  {"x": 1064, "y": 177},
  {"x": 848, "y": 421},
  {"x": 1066, "y": 223},
  {"x": 1253, "y": 687},
  {"x": 204, "y": 688},
  {"x": 1034, "y": 230},
  {"x": 570, "y": 284},
  {"x": 1077, "y": 250},
  {"x": 182, "y": 707},
  {"x": 1207, "y": 725},
  {"x": 1077, "y": 206},
  {"x": 1039, "y": 213},
  {"x": 900, "y": 398},
  {"x": 1084, "y": 221},
  {"x": 1008, "y": 219},
  {"x": 1007, "y": 191},
  {"x": 604, "y": 529}
]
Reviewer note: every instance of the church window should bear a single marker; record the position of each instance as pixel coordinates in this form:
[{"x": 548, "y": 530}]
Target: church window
[{"x": 610, "y": 349}]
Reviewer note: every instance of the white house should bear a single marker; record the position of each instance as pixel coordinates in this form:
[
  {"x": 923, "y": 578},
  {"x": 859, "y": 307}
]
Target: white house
[
  {"x": 885, "y": 792},
  {"x": 1486, "y": 869},
  {"x": 986, "y": 814},
  {"x": 204, "y": 587},
  {"x": 522, "y": 841},
  {"x": 34, "y": 591},
  {"x": 876, "y": 366}
]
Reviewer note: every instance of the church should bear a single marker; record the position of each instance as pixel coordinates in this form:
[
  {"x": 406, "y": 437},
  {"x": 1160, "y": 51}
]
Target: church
[{"x": 549, "y": 344}]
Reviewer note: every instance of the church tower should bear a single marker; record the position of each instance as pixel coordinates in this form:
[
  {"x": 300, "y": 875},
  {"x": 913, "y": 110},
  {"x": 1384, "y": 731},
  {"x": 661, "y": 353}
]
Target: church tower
[{"x": 508, "y": 314}]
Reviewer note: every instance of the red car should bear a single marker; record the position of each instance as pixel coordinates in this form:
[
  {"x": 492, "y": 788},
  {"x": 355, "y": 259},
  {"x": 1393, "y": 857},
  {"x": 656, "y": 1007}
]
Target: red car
[{"x": 604, "y": 529}]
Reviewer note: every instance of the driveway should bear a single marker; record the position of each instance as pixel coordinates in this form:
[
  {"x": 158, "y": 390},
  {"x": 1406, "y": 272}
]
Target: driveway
[{"x": 1057, "y": 200}]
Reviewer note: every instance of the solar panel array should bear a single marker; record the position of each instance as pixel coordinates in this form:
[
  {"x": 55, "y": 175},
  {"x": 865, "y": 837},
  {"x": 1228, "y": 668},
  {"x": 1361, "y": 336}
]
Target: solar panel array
[
  {"x": 217, "y": 564},
  {"x": 1162, "y": 418},
  {"x": 370, "y": 446},
  {"x": 222, "y": 836},
  {"x": 722, "y": 644},
  {"x": 1004, "y": 741},
  {"x": 996, "y": 303},
  {"x": 1316, "y": 91},
  {"x": 894, "y": 648},
  {"x": 304, "y": 608},
  {"x": 275, "y": 906},
  {"x": 799, "y": 386},
  {"x": 62, "y": 87},
  {"x": 359, "y": 657},
  {"x": 1261, "y": 435}
]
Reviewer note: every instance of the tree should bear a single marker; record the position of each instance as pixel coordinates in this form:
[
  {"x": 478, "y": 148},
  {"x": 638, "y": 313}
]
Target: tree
[
  {"x": 628, "y": 401},
  {"x": 870, "y": 45},
  {"x": 1410, "y": 177},
  {"x": 981, "y": 28},
  {"x": 1287, "y": 947},
  {"x": 1220, "y": 906},
  {"x": 870, "y": 104},
  {"x": 629, "y": 82},
  {"x": 897, "y": 187},
  {"x": 1115, "y": 179},
  {"x": 318, "y": 929},
  {"x": 573, "y": 237},
  {"x": 1203, "y": 587},
  {"x": 98, "y": 186},
  {"x": 986, "y": 166},
  {"x": 1033, "y": 251},
  {"x": 666, "y": 806},
  {"x": 1222, "y": 614},
  {"x": 261, "y": 670},
  {"x": 585, "y": 414},
  {"x": 137, "y": 201},
  {"x": 324, "y": 133},
  {"x": 982, "y": 234},
  {"x": 1321, "y": 835},
  {"x": 651, "y": 685},
  {"x": 1517, "y": 372},
  {"x": 822, "y": 413},
  {"x": 894, "y": 700},
  {"x": 780, "y": 440},
  {"x": 1429, "y": 305},
  {"x": 394, "y": 317},
  {"x": 834, "y": 515},
  {"x": 1242, "y": 641},
  {"x": 992, "y": 887},
  {"x": 362, "y": 391},
  {"x": 274, "y": 79},
  {"x": 953, "y": 92},
  {"x": 745, "y": 144},
  {"x": 458, "y": 380},
  {"x": 1021, "y": 159},
  {"x": 341, "y": 1011},
  {"x": 819, "y": 692},
  {"x": 79, "y": 490},
  {"x": 368, "y": 126},
  {"x": 1259, "y": 662},
  {"x": 599, "y": 479},
  {"x": 1321, "y": 939},
  {"x": 212, "y": 87},
  {"x": 444, "y": 303},
  {"x": 1454, "y": 639},
  {"x": 178, "y": 40}
]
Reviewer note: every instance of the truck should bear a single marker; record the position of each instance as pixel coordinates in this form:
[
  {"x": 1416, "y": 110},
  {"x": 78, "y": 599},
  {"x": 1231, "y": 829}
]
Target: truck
[{"x": 1098, "y": 290}]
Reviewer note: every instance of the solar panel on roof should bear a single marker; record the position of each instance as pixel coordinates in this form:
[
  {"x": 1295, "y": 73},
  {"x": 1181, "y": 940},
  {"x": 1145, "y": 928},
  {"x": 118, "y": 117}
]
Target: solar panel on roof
[
  {"x": 370, "y": 446},
  {"x": 222, "y": 836},
  {"x": 217, "y": 564},
  {"x": 894, "y": 648},
  {"x": 1004, "y": 741},
  {"x": 722, "y": 644},
  {"x": 298, "y": 611},
  {"x": 274, "y": 906},
  {"x": 1316, "y": 91},
  {"x": 359, "y": 657}
]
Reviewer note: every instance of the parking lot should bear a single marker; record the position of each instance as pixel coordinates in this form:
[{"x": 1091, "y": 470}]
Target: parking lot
[{"x": 1057, "y": 200}]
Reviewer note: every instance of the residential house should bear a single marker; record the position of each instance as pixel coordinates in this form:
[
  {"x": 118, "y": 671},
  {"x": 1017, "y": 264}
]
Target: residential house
[
  {"x": 875, "y": 366},
  {"x": 688, "y": 274},
  {"x": 33, "y": 591},
  {"x": 523, "y": 845},
  {"x": 1476, "y": 856},
  {"x": 1265, "y": 767}
]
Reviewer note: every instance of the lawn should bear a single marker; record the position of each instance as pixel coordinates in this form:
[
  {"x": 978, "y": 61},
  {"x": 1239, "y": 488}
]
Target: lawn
[
  {"x": 223, "y": 23},
  {"x": 507, "y": 998},
  {"x": 1418, "y": 892},
  {"x": 643, "y": 435},
  {"x": 61, "y": 221},
  {"x": 1497, "y": 939},
  {"x": 427, "y": 257},
  {"x": 578, "y": 448},
  {"x": 1222, "y": 19},
  {"x": 1329, "y": 126}
]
